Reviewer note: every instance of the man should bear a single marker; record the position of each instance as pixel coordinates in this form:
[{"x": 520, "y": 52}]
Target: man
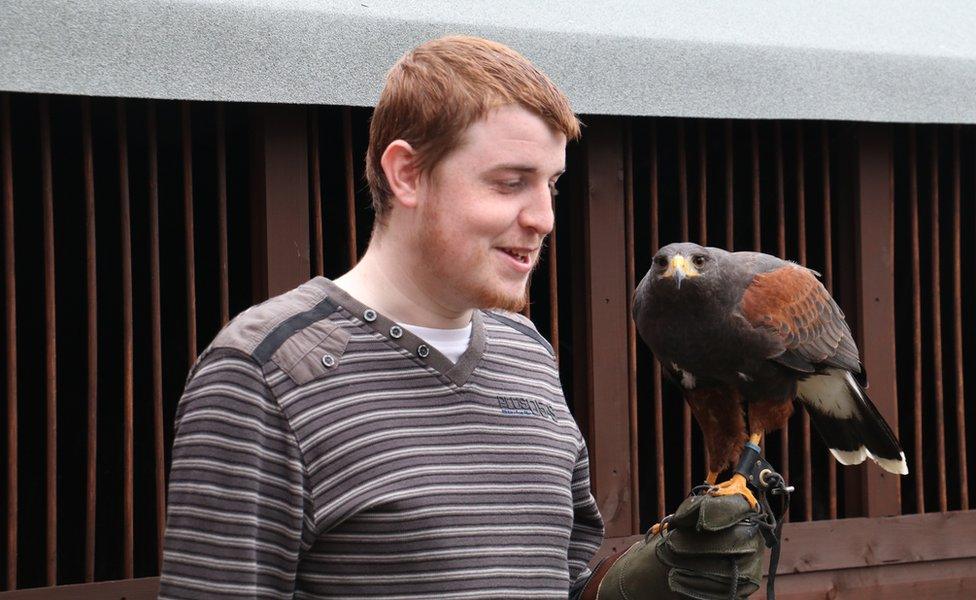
[{"x": 401, "y": 432}]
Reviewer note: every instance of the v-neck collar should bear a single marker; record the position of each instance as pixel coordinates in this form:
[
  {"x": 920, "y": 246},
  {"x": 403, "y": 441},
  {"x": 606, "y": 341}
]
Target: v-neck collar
[{"x": 400, "y": 336}]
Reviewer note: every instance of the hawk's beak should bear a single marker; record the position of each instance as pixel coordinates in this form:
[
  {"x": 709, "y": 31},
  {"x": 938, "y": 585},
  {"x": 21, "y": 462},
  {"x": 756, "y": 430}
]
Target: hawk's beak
[{"x": 680, "y": 269}]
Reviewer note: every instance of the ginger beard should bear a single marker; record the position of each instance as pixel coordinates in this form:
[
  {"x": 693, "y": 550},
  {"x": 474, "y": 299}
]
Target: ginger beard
[{"x": 469, "y": 271}]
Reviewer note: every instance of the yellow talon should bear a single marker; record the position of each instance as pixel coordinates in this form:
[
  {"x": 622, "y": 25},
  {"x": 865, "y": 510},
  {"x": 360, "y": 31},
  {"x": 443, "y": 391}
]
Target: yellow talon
[{"x": 736, "y": 485}]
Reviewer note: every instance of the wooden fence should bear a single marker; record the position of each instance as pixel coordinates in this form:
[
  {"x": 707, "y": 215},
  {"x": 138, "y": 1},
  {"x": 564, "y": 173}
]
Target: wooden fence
[{"x": 132, "y": 230}]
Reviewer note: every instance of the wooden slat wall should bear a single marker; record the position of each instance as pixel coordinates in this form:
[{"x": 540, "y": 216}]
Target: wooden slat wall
[
  {"x": 97, "y": 327},
  {"x": 12, "y": 481},
  {"x": 225, "y": 192},
  {"x": 935, "y": 209}
]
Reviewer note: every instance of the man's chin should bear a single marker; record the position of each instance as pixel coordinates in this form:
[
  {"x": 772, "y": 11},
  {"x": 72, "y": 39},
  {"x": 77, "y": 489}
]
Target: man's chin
[
  {"x": 503, "y": 299},
  {"x": 516, "y": 305}
]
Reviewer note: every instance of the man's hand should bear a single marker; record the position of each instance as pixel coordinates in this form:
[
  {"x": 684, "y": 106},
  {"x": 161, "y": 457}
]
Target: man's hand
[{"x": 712, "y": 546}]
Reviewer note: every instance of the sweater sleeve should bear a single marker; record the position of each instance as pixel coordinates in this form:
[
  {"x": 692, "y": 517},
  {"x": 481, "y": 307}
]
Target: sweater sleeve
[
  {"x": 238, "y": 515},
  {"x": 588, "y": 528}
]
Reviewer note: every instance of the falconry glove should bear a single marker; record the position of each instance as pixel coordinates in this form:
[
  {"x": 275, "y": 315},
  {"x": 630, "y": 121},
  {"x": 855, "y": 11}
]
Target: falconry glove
[{"x": 712, "y": 547}]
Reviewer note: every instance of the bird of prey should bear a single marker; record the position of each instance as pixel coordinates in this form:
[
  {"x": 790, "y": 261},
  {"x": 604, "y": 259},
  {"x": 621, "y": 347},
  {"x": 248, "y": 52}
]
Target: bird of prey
[{"x": 744, "y": 334}]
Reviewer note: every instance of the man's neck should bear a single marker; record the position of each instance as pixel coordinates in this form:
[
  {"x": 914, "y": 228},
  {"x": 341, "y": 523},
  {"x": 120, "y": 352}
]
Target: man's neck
[{"x": 382, "y": 281}]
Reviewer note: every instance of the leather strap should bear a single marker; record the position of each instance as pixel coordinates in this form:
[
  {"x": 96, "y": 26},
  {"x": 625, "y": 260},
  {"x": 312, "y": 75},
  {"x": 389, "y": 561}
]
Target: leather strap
[{"x": 593, "y": 583}]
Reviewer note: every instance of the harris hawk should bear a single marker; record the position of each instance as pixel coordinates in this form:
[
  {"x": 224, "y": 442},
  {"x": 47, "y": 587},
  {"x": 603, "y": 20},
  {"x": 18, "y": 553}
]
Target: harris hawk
[{"x": 744, "y": 334}]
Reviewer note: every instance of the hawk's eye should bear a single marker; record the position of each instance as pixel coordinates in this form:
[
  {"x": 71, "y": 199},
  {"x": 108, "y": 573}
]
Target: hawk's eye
[
  {"x": 698, "y": 260},
  {"x": 661, "y": 261}
]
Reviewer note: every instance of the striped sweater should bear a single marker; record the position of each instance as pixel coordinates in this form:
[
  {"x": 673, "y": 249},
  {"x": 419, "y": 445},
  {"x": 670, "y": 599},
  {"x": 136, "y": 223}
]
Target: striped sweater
[{"x": 322, "y": 451}]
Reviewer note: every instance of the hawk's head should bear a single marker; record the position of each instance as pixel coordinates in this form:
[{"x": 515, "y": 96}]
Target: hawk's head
[{"x": 683, "y": 263}]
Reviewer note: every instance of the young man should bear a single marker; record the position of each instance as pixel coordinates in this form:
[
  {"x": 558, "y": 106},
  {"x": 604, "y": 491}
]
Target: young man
[{"x": 400, "y": 432}]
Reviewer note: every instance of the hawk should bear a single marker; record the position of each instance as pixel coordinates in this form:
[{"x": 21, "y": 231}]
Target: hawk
[{"x": 744, "y": 334}]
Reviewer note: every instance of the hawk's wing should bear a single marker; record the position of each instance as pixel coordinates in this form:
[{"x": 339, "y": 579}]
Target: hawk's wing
[
  {"x": 795, "y": 309},
  {"x": 791, "y": 305}
]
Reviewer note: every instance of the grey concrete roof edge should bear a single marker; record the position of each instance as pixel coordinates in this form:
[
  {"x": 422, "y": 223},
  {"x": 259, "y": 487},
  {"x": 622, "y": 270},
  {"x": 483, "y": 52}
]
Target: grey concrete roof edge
[{"x": 275, "y": 52}]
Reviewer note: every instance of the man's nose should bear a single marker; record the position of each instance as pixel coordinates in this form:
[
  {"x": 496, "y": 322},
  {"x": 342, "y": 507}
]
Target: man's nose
[{"x": 538, "y": 214}]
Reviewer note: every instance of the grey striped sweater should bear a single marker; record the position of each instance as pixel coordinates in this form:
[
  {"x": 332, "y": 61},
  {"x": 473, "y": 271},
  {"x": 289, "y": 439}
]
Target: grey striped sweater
[{"x": 323, "y": 452}]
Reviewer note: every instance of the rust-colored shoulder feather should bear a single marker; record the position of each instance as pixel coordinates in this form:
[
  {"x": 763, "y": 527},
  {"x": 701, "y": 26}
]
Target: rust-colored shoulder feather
[{"x": 794, "y": 307}]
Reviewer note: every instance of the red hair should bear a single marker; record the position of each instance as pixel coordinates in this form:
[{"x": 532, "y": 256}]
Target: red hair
[{"x": 435, "y": 91}]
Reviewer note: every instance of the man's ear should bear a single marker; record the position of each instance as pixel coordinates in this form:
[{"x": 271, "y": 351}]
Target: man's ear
[{"x": 401, "y": 173}]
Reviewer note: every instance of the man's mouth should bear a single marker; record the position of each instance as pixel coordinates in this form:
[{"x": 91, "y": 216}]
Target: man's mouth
[
  {"x": 519, "y": 254},
  {"x": 519, "y": 259}
]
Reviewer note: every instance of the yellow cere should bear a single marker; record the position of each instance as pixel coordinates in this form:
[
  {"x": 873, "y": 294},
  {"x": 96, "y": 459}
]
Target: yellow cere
[{"x": 679, "y": 262}]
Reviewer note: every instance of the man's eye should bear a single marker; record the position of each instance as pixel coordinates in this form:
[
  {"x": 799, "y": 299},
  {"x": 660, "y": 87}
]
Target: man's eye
[{"x": 510, "y": 186}]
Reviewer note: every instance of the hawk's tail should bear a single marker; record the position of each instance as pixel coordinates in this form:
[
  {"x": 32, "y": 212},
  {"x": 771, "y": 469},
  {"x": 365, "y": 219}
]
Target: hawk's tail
[{"x": 848, "y": 421}]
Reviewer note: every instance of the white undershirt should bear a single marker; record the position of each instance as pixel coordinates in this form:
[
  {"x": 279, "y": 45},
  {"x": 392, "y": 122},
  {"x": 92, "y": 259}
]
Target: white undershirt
[{"x": 450, "y": 342}]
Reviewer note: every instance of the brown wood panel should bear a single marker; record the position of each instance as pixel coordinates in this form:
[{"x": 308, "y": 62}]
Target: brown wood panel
[
  {"x": 631, "y": 325},
  {"x": 756, "y": 199},
  {"x": 553, "y": 293},
  {"x": 221, "y": 156},
  {"x": 784, "y": 433},
  {"x": 318, "y": 241},
  {"x": 279, "y": 196},
  {"x": 729, "y": 189},
  {"x": 957, "y": 318},
  {"x": 935, "y": 324},
  {"x": 156, "y": 337},
  {"x": 828, "y": 279},
  {"x": 913, "y": 215},
  {"x": 654, "y": 226},
  {"x": 10, "y": 334},
  {"x": 146, "y": 588},
  {"x": 801, "y": 254},
  {"x": 350, "y": 186},
  {"x": 703, "y": 241},
  {"x": 863, "y": 542},
  {"x": 756, "y": 214},
  {"x": 702, "y": 184},
  {"x": 881, "y": 491},
  {"x": 685, "y": 237},
  {"x": 91, "y": 332},
  {"x": 944, "y": 580},
  {"x": 128, "y": 384},
  {"x": 877, "y": 541},
  {"x": 50, "y": 351},
  {"x": 606, "y": 324},
  {"x": 186, "y": 141}
]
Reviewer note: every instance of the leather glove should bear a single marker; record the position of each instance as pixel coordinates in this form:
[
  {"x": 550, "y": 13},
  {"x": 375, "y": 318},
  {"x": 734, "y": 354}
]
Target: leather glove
[{"x": 712, "y": 545}]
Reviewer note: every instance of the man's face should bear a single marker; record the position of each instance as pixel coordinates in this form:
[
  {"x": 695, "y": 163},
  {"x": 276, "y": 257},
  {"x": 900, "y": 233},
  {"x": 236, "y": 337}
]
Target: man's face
[{"x": 486, "y": 208}]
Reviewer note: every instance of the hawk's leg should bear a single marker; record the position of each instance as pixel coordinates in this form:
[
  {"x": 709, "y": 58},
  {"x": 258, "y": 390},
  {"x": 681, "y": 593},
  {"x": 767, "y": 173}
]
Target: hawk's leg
[
  {"x": 719, "y": 415},
  {"x": 737, "y": 484}
]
